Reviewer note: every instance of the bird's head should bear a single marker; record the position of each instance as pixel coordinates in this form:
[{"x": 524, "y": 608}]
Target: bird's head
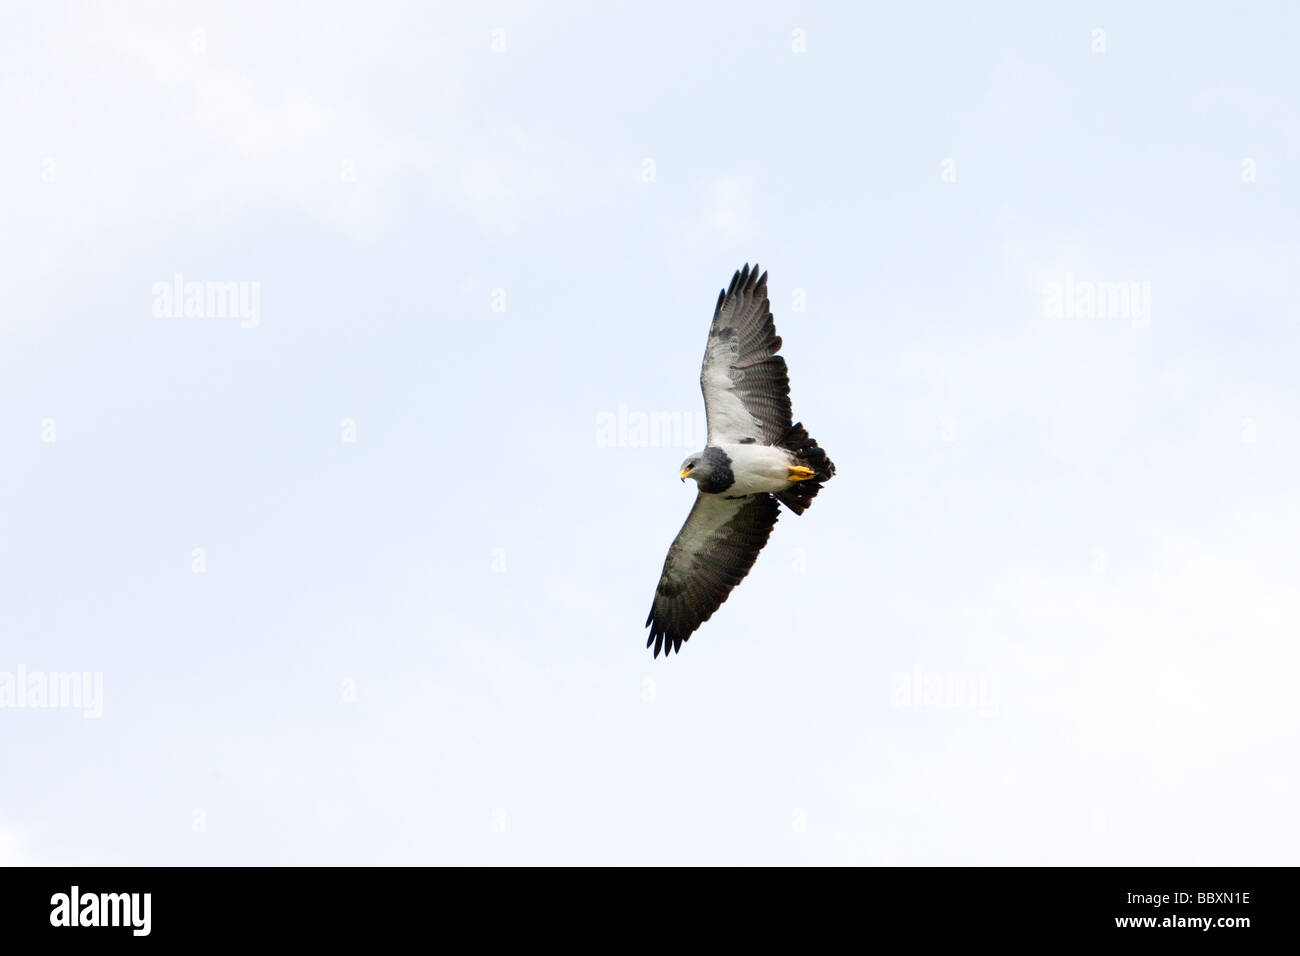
[{"x": 696, "y": 466}]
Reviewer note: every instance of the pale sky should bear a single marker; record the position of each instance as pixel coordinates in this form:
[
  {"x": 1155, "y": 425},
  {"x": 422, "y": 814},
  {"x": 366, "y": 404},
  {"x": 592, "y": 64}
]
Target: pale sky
[{"x": 361, "y": 579}]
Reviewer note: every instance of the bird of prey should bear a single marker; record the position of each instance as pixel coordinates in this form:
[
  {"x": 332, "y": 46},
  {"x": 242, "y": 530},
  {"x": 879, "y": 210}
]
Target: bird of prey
[{"x": 753, "y": 458}]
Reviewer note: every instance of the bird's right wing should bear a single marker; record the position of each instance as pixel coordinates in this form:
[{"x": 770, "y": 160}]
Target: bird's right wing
[
  {"x": 711, "y": 555},
  {"x": 745, "y": 383}
]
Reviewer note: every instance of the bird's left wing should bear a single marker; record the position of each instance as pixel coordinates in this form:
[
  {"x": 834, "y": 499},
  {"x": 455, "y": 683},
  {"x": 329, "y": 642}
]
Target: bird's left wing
[
  {"x": 711, "y": 555},
  {"x": 745, "y": 383}
]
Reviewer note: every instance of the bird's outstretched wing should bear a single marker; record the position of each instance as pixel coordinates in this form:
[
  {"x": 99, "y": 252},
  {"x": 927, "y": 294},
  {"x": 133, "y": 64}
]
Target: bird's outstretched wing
[
  {"x": 745, "y": 384},
  {"x": 711, "y": 555}
]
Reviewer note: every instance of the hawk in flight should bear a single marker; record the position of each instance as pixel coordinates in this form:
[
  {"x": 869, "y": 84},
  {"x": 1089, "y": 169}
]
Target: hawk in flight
[{"x": 754, "y": 457}]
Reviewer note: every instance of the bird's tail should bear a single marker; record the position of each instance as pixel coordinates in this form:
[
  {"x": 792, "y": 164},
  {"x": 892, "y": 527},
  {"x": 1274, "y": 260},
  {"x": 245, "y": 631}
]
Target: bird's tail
[{"x": 798, "y": 496}]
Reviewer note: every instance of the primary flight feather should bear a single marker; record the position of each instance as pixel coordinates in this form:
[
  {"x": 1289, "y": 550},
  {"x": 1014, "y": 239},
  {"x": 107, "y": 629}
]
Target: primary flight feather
[{"x": 753, "y": 458}]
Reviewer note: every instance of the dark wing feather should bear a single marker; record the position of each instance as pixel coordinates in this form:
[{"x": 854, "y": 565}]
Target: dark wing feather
[
  {"x": 711, "y": 555},
  {"x": 745, "y": 383}
]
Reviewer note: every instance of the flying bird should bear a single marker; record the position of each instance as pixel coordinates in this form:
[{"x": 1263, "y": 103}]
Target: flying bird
[{"x": 753, "y": 458}]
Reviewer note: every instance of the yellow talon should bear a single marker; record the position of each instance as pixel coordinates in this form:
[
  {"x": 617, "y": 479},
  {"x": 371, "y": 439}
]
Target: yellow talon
[{"x": 800, "y": 473}]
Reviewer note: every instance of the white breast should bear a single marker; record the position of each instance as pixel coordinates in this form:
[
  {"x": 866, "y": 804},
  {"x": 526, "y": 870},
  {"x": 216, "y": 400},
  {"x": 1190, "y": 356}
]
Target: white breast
[{"x": 758, "y": 468}]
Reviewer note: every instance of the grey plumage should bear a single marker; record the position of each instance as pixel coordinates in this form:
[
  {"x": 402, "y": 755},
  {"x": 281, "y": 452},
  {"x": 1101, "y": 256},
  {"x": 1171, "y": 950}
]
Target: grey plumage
[{"x": 742, "y": 347}]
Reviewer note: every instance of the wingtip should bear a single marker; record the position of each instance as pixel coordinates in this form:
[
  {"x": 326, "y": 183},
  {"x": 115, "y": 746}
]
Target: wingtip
[
  {"x": 746, "y": 278},
  {"x": 655, "y": 638},
  {"x": 663, "y": 642}
]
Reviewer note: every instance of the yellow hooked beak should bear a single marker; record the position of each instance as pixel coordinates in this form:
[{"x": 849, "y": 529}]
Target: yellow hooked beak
[{"x": 686, "y": 473}]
